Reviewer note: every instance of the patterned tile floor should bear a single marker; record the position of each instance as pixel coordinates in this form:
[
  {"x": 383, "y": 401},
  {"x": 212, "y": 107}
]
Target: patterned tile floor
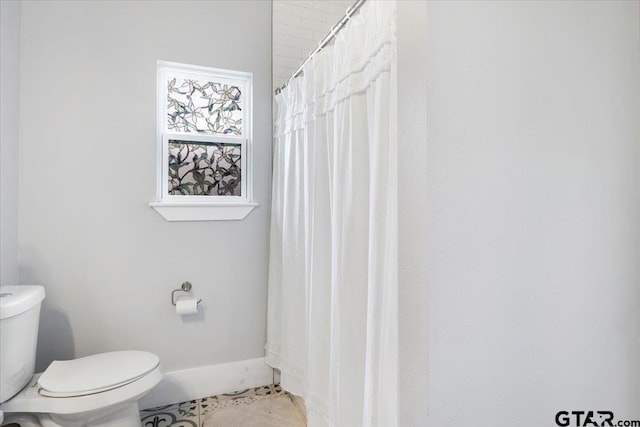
[{"x": 267, "y": 406}]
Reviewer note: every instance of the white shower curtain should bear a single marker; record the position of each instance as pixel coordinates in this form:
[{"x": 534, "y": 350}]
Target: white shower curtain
[{"x": 332, "y": 321}]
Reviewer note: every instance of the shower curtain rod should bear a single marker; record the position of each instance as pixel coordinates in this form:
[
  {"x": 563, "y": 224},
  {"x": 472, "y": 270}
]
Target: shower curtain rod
[{"x": 334, "y": 30}]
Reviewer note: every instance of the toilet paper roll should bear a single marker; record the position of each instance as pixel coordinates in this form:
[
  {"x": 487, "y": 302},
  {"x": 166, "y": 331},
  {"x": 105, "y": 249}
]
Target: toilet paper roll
[{"x": 186, "y": 306}]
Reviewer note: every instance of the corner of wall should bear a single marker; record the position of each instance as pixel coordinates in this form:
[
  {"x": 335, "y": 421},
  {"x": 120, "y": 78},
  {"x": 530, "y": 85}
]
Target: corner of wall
[
  {"x": 412, "y": 228},
  {"x": 10, "y": 15}
]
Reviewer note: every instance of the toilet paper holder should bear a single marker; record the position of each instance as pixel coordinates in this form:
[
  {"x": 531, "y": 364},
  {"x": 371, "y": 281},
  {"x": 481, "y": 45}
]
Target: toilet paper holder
[{"x": 185, "y": 287}]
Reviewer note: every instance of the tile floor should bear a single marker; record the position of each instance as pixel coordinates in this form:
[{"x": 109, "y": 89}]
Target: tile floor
[{"x": 267, "y": 406}]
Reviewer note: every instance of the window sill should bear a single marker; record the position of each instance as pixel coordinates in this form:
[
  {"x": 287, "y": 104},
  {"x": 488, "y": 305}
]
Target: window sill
[{"x": 194, "y": 211}]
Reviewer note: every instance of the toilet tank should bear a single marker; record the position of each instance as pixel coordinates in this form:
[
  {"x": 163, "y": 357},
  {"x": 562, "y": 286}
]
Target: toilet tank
[{"x": 19, "y": 318}]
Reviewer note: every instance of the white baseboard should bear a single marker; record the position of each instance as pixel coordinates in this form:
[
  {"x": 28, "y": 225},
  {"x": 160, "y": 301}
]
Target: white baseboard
[{"x": 196, "y": 383}]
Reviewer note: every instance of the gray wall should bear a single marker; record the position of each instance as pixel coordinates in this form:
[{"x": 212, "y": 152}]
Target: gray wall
[
  {"x": 9, "y": 88},
  {"x": 412, "y": 223},
  {"x": 533, "y": 238},
  {"x": 87, "y": 173}
]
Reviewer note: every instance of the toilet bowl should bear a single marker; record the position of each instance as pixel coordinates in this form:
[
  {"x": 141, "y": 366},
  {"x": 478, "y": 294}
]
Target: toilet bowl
[{"x": 94, "y": 391}]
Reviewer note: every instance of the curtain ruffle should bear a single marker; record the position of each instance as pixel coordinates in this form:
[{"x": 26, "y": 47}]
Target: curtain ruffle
[{"x": 348, "y": 65}]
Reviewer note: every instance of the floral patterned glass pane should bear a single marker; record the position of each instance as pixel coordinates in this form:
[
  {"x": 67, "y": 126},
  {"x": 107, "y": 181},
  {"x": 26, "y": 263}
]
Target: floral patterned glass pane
[
  {"x": 198, "y": 106},
  {"x": 204, "y": 169}
]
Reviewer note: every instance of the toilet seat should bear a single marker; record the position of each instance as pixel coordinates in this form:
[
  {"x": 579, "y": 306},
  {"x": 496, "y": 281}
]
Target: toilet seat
[
  {"x": 95, "y": 374},
  {"x": 30, "y": 399}
]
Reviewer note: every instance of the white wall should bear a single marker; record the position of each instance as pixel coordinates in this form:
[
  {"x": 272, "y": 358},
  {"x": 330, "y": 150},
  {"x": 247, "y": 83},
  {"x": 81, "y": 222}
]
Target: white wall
[
  {"x": 298, "y": 27},
  {"x": 87, "y": 173},
  {"x": 9, "y": 84},
  {"x": 533, "y": 204}
]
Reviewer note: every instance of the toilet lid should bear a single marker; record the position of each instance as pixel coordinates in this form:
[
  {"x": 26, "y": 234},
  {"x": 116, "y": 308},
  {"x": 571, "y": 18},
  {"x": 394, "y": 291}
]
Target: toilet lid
[{"x": 95, "y": 374}]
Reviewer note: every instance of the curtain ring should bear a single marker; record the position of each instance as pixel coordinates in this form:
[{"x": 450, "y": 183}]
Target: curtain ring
[{"x": 333, "y": 32}]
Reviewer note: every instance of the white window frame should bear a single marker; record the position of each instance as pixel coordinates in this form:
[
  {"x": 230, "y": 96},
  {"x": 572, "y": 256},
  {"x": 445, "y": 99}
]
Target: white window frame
[{"x": 204, "y": 208}]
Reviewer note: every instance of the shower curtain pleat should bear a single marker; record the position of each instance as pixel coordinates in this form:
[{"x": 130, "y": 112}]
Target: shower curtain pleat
[{"x": 332, "y": 317}]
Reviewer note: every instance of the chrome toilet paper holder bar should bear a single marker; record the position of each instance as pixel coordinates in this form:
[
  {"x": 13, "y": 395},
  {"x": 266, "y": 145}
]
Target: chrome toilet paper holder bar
[{"x": 185, "y": 287}]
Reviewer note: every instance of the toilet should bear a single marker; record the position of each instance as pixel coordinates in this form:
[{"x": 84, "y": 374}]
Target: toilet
[{"x": 94, "y": 391}]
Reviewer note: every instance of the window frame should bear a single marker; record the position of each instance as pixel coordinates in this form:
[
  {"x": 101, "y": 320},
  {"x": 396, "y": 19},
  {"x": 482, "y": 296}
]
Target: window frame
[{"x": 201, "y": 207}]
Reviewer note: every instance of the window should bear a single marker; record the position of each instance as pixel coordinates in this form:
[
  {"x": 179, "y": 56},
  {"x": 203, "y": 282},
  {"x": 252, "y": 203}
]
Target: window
[{"x": 204, "y": 143}]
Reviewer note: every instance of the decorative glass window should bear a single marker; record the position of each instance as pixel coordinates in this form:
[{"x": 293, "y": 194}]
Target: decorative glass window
[{"x": 204, "y": 135}]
